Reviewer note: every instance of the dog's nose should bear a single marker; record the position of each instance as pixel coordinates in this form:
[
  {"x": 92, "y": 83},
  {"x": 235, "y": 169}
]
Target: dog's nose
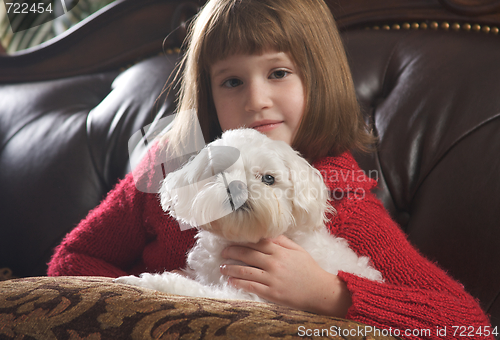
[
  {"x": 238, "y": 193},
  {"x": 237, "y": 187}
]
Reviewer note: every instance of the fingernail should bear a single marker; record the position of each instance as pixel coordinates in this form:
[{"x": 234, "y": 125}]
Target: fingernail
[{"x": 222, "y": 267}]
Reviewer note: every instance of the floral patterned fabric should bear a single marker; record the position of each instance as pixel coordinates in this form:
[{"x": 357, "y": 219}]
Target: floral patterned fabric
[{"x": 95, "y": 308}]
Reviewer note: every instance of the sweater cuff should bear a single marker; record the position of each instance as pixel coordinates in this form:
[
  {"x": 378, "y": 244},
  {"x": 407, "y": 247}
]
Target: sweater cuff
[
  {"x": 366, "y": 296},
  {"x": 388, "y": 306},
  {"x": 82, "y": 265}
]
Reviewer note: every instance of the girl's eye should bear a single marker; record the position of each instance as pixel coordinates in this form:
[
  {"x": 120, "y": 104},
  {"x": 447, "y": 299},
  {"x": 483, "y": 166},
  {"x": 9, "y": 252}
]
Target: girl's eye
[
  {"x": 268, "y": 179},
  {"x": 279, "y": 74},
  {"x": 233, "y": 82}
]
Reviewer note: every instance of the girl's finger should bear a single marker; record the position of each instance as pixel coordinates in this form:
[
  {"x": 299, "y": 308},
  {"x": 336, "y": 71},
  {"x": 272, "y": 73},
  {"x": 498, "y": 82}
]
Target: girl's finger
[
  {"x": 245, "y": 273},
  {"x": 250, "y": 286},
  {"x": 250, "y": 256},
  {"x": 265, "y": 246},
  {"x": 285, "y": 242}
]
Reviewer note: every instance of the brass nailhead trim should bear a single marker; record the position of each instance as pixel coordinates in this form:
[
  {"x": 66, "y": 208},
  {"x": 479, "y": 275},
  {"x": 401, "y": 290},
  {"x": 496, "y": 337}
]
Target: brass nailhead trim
[
  {"x": 173, "y": 50},
  {"x": 434, "y": 25},
  {"x": 6, "y": 274}
]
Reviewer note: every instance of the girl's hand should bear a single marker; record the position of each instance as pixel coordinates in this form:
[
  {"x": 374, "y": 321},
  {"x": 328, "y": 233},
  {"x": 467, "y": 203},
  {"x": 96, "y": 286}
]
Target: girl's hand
[{"x": 283, "y": 272}]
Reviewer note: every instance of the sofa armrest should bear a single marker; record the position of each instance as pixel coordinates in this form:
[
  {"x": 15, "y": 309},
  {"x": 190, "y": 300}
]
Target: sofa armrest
[{"x": 97, "y": 308}]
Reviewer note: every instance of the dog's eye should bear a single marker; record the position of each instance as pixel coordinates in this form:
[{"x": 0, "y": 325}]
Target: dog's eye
[{"x": 268, "y": 179}]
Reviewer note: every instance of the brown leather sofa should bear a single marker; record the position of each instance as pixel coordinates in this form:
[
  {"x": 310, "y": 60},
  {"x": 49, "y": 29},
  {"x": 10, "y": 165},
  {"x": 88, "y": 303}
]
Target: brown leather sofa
[{"x": 427, "y": 74}]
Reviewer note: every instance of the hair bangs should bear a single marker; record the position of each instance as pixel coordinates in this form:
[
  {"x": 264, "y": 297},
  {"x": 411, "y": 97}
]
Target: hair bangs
[{"x": 243, "y": 28}]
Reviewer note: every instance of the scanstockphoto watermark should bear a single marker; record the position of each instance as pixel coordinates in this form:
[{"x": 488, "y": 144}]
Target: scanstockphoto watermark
[
  {"x": 350, "y": 182},
  {"x": 26, "y": 14},
  {"x": 346, "y": 179},
  {"x": 455, "y": 332},
  {"x": 362, "y": 331},
  {"x": 350, "y": 175},
  {"x": 347, "y": 183}
]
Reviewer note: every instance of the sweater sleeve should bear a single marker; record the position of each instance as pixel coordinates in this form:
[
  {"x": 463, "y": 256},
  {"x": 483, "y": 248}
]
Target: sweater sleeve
[
  {"x": 417, "y": 296},
  {"x": 108, "y": 240},
  {"x": 112, "y": 238}
]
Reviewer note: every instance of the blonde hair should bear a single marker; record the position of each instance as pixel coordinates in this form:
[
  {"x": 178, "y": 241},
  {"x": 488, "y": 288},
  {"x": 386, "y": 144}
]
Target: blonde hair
[{"x": 305, "y": 29}]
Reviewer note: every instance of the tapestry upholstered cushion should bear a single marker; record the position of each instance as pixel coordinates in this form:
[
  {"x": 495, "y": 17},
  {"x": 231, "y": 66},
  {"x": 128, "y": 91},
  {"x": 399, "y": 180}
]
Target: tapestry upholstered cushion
[{"x": 96, "y": 308}]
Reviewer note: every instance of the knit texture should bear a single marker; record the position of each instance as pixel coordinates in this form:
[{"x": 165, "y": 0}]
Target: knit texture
[{"x": 128, "y": 233}]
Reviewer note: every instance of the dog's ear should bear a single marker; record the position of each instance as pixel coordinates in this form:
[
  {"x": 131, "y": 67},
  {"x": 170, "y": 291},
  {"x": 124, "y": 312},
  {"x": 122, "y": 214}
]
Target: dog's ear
[
  {"x": 310, "y": 198},
  {"x": 166, "y": 199},
  {"x": 176, "y": 198}
]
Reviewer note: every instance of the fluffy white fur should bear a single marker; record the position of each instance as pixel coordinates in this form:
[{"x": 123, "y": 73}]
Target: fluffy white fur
[{"x": 201, "y": 194}]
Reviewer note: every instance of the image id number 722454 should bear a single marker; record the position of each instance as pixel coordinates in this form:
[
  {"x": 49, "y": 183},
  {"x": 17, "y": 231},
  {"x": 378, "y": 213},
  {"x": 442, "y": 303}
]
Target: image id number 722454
[{"x": 28, "y": 8}]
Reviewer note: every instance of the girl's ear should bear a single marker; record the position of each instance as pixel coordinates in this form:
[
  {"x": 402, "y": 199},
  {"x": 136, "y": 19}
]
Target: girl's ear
[{"x": 310, "y": 194}]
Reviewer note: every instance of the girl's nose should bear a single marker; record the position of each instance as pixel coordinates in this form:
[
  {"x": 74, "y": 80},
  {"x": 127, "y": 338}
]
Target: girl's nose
[{"x": 258, "y": 97}]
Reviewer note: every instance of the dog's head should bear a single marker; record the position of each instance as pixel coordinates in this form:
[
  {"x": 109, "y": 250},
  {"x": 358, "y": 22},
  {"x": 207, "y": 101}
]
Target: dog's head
[{"x": 244, "y": 187}]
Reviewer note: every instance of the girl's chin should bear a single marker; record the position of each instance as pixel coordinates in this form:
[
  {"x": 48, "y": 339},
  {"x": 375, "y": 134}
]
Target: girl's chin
[{"x": 279, "y": 135}]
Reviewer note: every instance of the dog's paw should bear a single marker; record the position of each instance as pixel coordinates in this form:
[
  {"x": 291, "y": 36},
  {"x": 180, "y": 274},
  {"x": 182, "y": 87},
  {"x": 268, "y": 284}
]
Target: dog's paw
[
  {"x": 129, "y": 280},
  {"x": 160, "y": 282}
]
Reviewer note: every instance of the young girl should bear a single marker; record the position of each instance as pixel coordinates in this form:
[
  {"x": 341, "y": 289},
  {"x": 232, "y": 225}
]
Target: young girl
[{"x": 277, "y": 66}]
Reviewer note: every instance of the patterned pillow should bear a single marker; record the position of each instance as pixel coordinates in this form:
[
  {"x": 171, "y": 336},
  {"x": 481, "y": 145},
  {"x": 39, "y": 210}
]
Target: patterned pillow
[{"x": 97, "y": 308}]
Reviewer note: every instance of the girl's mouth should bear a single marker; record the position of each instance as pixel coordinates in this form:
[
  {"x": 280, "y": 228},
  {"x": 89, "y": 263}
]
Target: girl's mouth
[{"x": 263, "y": 126}]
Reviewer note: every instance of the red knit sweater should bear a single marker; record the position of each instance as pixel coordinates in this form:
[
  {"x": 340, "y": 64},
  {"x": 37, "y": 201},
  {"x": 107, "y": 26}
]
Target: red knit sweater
[{"x": 128, "y": 233}]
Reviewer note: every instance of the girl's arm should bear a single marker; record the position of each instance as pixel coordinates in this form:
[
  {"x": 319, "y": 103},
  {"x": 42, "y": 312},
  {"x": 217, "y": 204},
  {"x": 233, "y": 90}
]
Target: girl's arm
[
  {"x": 416, "y": 294},
  {"x": 112, "y": 238},
  {"x": 108, "y": 240}
]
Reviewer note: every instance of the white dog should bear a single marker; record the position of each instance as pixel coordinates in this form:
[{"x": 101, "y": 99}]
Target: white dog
[{"x": 242, "y": 188}]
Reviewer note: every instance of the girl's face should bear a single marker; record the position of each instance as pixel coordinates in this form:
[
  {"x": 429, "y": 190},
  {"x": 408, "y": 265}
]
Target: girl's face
[{"x": 263, "y": 92}]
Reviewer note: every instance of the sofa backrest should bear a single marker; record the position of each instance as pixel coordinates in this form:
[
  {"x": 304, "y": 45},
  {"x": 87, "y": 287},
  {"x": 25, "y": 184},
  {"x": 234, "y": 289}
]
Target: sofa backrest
[
  {"x": 67, "y": 111},
  {"x": 63, "y": 147},
  {"x": 433, "y": 100}
]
